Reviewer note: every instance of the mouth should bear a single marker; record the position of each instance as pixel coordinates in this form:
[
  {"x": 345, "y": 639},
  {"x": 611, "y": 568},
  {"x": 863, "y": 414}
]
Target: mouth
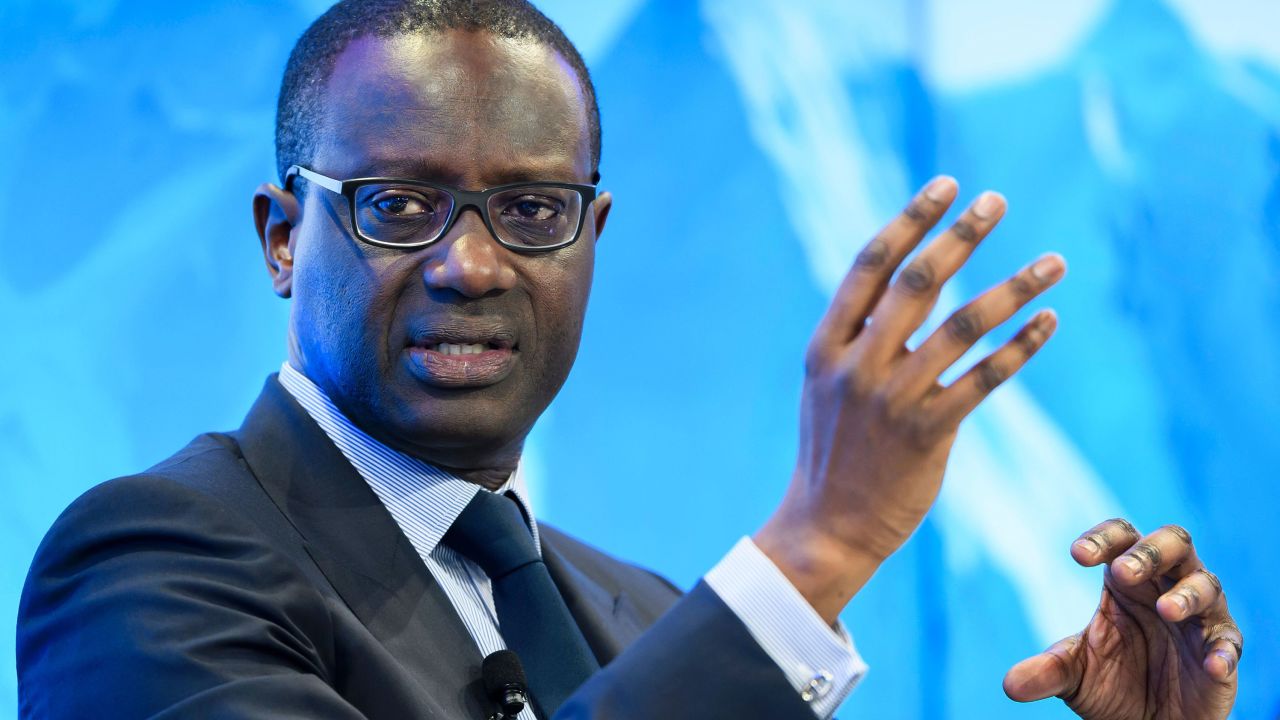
[{"x": 461, "y": 358}]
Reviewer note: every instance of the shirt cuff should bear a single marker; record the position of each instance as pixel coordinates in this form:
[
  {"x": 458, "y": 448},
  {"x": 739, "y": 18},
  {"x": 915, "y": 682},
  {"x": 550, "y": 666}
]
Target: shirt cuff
[{"x": 820, "y": 662}]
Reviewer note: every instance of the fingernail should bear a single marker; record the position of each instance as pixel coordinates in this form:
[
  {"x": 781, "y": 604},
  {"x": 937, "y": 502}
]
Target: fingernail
[
  {"x": 1049, "y": 267},
  {"x": 987, "y": 205},
  {"x": 1088, "y": 544},
  {"x": 1134, "y": 565},
  {"x": 1181, "y": 601},
  {"x": 939, "y": 188},
  {"x": 1227, "y": 659}
]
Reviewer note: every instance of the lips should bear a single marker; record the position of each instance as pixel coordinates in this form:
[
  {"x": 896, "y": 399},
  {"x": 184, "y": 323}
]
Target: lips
[{"x": 460, "y": 357}]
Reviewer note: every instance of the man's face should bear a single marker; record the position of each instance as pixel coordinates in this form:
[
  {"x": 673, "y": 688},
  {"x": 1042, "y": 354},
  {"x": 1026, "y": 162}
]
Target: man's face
[{"x": 474, "y": 111}]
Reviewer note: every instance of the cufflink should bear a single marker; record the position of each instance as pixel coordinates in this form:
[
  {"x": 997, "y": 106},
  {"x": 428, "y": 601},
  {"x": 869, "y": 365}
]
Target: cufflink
[{"x": 819, "y": 685}]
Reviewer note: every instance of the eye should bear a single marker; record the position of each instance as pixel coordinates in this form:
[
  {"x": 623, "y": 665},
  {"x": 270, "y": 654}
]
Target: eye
[
  {"x": 533, "y": 208},
  {"x": 401, "y": 204}
]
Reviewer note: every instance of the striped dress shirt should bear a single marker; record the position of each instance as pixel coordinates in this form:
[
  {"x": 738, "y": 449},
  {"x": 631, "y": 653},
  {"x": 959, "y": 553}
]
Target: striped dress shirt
[{"x": 424, "y": 500}]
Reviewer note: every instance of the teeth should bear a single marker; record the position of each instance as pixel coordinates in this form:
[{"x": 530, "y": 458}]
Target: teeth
[{"x": 456, "y": 349}]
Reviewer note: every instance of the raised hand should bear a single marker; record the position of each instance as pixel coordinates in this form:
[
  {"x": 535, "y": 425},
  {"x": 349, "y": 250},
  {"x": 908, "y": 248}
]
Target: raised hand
[
  {"x": 1161, "y": 645},
  {"x": 876, "y": 425}
]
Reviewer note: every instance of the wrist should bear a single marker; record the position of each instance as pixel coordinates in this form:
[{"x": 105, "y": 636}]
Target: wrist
[{"x": 826, "y": 570}]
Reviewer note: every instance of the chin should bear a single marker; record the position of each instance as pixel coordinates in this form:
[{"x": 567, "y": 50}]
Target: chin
[{"x": 463, "y": 429}]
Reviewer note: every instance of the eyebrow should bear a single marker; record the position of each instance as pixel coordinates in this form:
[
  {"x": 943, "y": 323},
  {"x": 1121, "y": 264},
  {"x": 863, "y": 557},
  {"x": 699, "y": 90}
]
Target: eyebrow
[{"x": 426, "y": 169}]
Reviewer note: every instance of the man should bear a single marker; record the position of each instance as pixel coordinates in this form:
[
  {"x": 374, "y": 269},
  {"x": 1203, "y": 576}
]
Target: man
[{"x": 363, "y": 541}]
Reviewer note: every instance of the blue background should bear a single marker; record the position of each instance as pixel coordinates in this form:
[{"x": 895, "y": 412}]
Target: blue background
[{"x": 1137, "y": 137}]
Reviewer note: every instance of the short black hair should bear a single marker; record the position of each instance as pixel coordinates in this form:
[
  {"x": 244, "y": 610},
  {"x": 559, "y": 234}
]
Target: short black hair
[{"x": 300, "y": 108}]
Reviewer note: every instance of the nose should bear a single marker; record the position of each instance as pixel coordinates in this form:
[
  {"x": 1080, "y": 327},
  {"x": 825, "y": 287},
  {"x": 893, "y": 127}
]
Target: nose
[{"x": 469, "y": 261}]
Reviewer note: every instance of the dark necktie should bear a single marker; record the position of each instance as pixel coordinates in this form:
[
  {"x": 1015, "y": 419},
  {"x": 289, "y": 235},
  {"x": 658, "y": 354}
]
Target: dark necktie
[{"x": 532, "y": 616}]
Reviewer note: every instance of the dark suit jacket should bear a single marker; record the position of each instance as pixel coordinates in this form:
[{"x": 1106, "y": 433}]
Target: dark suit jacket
[{"x": 255, "y": 574}]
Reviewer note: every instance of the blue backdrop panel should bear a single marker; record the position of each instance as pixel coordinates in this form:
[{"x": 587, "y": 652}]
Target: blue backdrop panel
[{"x": 1138, "y": 137}]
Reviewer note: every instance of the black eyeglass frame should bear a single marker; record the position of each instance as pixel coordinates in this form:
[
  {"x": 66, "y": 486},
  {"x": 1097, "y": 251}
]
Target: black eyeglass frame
[{"x": 462, "y": 199}]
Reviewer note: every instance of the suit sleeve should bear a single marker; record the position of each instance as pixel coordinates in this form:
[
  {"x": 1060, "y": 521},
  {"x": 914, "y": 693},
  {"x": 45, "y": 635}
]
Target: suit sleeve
[
  {"x": 150, "y": 599},
  {"x": 699, "y": 660}
]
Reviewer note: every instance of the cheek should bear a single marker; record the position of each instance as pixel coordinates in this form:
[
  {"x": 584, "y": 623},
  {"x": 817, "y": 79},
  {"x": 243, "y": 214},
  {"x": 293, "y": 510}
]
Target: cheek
[
  {"x": 563, "y": 304},
  {"x": 341, "y": 311},
  {"x": 325, "y": 295}
]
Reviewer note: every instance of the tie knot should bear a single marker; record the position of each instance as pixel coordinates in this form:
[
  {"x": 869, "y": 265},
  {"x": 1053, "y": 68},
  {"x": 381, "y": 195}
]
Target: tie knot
[{"x": 491, "y": 532}]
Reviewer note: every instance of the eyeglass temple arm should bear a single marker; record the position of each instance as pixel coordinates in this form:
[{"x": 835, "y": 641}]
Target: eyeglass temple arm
[{"x": 323, "y": 181}]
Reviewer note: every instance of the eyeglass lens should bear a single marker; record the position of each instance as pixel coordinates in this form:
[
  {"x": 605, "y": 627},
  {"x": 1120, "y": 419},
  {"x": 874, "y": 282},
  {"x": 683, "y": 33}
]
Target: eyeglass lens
[{"x": 525, "y": 216}]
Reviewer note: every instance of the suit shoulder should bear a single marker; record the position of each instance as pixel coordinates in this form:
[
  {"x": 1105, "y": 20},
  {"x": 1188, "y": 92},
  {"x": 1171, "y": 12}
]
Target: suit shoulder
[
  {"x": 197, "y": 501},
  {"x": 185, "y": 486}
]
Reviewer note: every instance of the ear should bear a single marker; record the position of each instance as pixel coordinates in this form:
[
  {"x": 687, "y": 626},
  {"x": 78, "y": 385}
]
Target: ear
[
  {"x": 275, "y": 213},
  {"x": 600, "y": 208}
]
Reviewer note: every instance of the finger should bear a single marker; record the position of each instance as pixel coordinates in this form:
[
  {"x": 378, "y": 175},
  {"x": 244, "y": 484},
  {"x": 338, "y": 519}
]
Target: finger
[
  {"x": 1167, "y": 550},
  {"x": 1104, "y": 541},
  {"x": 1225, "y": 648},
  {"x": 968, "y": 324},
  {"x": 874, "y": 266},
  {"x": 1056, "y": 672},
  {"x": 912, "y": 295},
  {"x": 1196, "y": 594},
  {"x": 956, "y": 401}
]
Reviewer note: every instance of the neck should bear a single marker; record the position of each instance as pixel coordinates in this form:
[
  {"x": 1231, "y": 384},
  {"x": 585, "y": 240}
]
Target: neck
[
  {"x": 489, "y": 479},
  {"x": 489, "y": 469}
]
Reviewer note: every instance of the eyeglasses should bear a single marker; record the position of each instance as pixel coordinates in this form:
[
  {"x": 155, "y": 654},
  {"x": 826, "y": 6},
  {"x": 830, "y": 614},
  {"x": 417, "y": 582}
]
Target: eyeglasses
[{"x": 396, "y": 213}]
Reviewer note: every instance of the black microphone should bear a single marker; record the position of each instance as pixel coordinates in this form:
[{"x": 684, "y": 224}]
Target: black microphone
[{"x": 504, "y": 683}]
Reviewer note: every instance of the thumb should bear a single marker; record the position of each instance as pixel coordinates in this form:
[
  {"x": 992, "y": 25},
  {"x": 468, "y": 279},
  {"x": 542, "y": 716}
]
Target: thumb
[{"x": 1054, "y": 672}]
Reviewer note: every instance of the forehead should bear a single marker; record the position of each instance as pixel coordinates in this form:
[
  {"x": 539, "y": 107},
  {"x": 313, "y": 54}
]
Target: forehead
[{"x": 464, "y": 107}]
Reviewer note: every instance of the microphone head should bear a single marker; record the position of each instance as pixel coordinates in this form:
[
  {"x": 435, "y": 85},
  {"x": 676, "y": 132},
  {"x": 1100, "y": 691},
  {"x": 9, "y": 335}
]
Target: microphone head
[
  {"x": 500, "y": 670},
  {"x": 504, "y": 681}
]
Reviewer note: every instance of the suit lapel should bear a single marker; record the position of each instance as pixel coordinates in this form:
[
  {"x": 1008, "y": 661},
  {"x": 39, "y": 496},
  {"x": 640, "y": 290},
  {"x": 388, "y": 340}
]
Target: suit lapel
[
  {"x": 361, "y": 551},
  {"x": 603, "y": 613}
]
